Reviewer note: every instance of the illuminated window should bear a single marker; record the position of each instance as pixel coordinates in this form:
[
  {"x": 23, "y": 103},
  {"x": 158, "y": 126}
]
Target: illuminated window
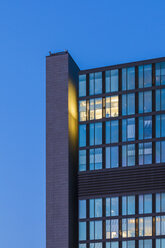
[
  {"x": 128, "y": 228},
  {"x": 112, "y": 229},
  {"x": 95, "y": 106},
  {"x": 145, "y": 226},
  {"x": 160, "y": 225},
  {"x": 112, "y": 104},
  {"x": 82, "y": 110}
]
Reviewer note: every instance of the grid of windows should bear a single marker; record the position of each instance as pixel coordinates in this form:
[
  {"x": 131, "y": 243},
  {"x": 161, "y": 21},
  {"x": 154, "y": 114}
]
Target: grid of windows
[{"x": 128, "y": 217}]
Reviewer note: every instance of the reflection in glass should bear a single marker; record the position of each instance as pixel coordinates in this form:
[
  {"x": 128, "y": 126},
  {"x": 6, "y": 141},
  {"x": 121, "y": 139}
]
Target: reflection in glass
[
  {"x": 128, "y": 104},
  {"x": 82, "y": 209},
  {"x": 145, "y": 127},
  {"x": 128, "y": 78},
  {"x": 112, "y": 229},
  {"x": 128, "y": 155},
  {"x": 145, "y": 76},
  {"x": 145, "y": 102},
  {"x": 160, "y": 202},
  {"x": 82, "y": 135},
  {"x": 111, "y": 81},
  {"x": 160, "y": 73},
  {"x": 145, "y": 153},
  {"x": 112, "y": 130},
  {"x": 112, "y": 106},
  {"x": 82, "y": 160},
  {"x": 82, "y": 110},
  {"x": 128, "y": 129},
  {"x": 82, "y": 85},
  {"x": 112, "y": 206},
  {"x": 98, "y": 108},
  {"x": 82, "y": 231}
]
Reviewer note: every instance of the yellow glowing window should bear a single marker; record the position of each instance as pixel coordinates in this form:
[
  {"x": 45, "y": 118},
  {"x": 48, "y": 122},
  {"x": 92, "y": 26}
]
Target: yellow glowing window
[
  {"x": 112, "y": 106},
  {"x": 98, "y": 108},
  {"x": 92, "y": 109},
  {"x": 82, "y": 110}
]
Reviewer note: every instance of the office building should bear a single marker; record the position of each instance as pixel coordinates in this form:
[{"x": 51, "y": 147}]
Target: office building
[{"x": 105, "y": 154}]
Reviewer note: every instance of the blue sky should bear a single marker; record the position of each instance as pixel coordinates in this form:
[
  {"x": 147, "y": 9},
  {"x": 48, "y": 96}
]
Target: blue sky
[{"x": 96, "y": 33}]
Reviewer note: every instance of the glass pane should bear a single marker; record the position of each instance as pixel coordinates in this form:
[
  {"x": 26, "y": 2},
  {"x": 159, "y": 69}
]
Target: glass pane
[
  {"x": 114, "y": 156},
  {"x": 98, "y": 229},
  {"x": 162, "y": 125},
  {"x": 140, "y": 102},
  {"x": 107, "y": 81},
  {"x": 91, "y": 134},
  {"x": 141, "y": 204},
  {"x": 158, "y": 225},
  {"x": 131, "y": 205},
  {"x": 148, "y": 127},
  {"x": 98, "y": 133},
  {"x": 82, "y": 160},
  {"x": 163, "y": 73},
  {"x": 114, "y": 206},
  {"x": 114, "y": 80},
  {"x": 91, "y": 208},
  {"x": 141, "y": 231},
  {"x": 124, "y": 130},
  {"x": 82, "y": 85},
  {"x": 124, "y": 105},
  {"x": 157, "y": 74},
  {"x": 162, "y": 225},
  {"x": 148, "y": 153},
  {"x": 124, "y": 228},
  {"x": 107, "y": 132},
  {"x": 131, "y": 104},
  {"x": 107, "y": 206},
  {"x": 107, "y": 157},
  {"x": 141, "y": 154},
  {"x": 157, "y": 203},
  {"x": 82, "y": 209},
  {"x": 131, "y": 155},
  {"x": 147, "y": 204},
  {"x": 147, "y": 101},
  {"x": 82, "y": 231},
  {"x": 107, "y": 229},
  {"x": 141, "y": 128},
  {"x": 91, "y": 230},
  {"x": 140, "y": 76},
  {"x": 124, "y": 205},
  {"x": 163, "y": 202},
  {"x": 92, "y": 159},
  {"x": 114, "y": 229},
  {"x": 98, "y": 207},
  {"x": 147, "y": 75},
  {"x": 130, "y": 78},
  {"x": 163, "y": 99},
  {"x": 157, "y": 152},
  {"x": 124, "y": 79},
  {"x": 98, "y": 108},
  {"x": 108, "y": 113},
  {"x": 157, "y": 100},
  {"x": 124, "y": 156},
  {"x": 131, "y": 227},
  {"x": 148, "y": 226},
  {"x": 82, "y": 135},
  {"x": 91, "y": 84},
  {"x": 98, "y": 158},
  {"x": 114, "y": 131},
  {"x": 98, "y": 82},
  {"x": 131, "y": 129},
  {"x": 92, "y": 111},
  {"x": 114, "y": 106},
  {"x": 158, "y": 126}
]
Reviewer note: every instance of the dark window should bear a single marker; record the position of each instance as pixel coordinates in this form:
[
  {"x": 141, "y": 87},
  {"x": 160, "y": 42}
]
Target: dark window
[
  {"x": 95, "y": 159},
  {"x": 145, "y": 204},
  {"x": 128, "y": 104},
  {"x": 112, "y": 206},
  {"x": 128, "y": 155},
  {"x": 128, "y": 129},
  {"x": 112, "y": 131},
  {"x": 160, "y": 73},
  {"x": 82, "y": 135},
  {"x": 95, "y": 130},
  {"x": 112, "y": 157},
  {"x": 128, "y": 205},
  {"x": 160, "y": 202},
  {"x": 82, "y": 209},
  {"x": 145, "y": 76},
  {"x": 128, "y": 78},
  {"x": 145, "y": 153},
  {"x": 160, "y": 152},
  {"x": 95, "y": 230},
  {"x": 145, "y": 127},
  {"x": 160, "y": 99},
  {"x": 82, "y": 160},
  {"x": 145, "y": 102},
  {"x": 95, "y": 83},
  {"x": 160, "y": 126}
]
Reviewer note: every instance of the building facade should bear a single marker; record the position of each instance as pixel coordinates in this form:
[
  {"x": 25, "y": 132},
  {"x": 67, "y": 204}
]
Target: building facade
[{"x": 105, "y": 154}]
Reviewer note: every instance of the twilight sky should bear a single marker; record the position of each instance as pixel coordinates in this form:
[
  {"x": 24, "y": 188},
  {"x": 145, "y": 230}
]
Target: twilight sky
[{"x": 96, "y": 33}]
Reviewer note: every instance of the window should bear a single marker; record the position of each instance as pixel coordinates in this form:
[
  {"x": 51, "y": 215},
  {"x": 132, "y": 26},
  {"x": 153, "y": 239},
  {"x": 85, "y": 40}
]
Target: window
[
  {"x": 82, "y": 160},
  {"x": 160, "y": 202},
  {"x": 160, "y": 225},
  {"x": 95, "y": 106},
  {"x": 82, "y": 231},
  {"x": 160, "y": 73},
  {"x": 82, "y": 209},
  {"x": 128, "y": 129},
  {"x": 128, "y": 78},
  {"x": 128, "y": 244},
  {"x": 82, "y": 110},
  {"x": 95, "y": 208},
  {"x": 160, "y": 99},
  {"x": 95, "y": 230},
  {"x": 128, "y": 205},
  {"x": 112, "y": 206},
  {"x": 128, "y": 228},
  {"x": 112, "y": 244},
  {"x": 145, "y": 102},
  {"x": 112, "y": 131},
  {"x": 95, "y": 83},
  {"x": 82, "y": 245},
  {"x": 82, "y": 135},
  {"x": 95, "y": 159},
  {"x": 145, "y": 127},
  {"x": 111, "y": 81},
  {"x": 112, "y": 106},
  {"x": 128, "y": 155},
  {"x": 160, "y": 126},
  {"x": 145, "y": 204},
  {"x": 160, "y": 154},
  {"x": 95, "y": 130},
  {"x": 112, "y": 157},
  {"x": 82, "y": 85},
  {"x": 160, "y": 243},
  {"x": 145, "y": 153},
  {"x": 147, "y": 243},
  {"x": 96, "y": 245},
  {"x": 145, "y": 76},
  {"x": 128, "y": 104},
  {"x": 145, "y": 226},
  {"x": 112, "y": 229}
]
